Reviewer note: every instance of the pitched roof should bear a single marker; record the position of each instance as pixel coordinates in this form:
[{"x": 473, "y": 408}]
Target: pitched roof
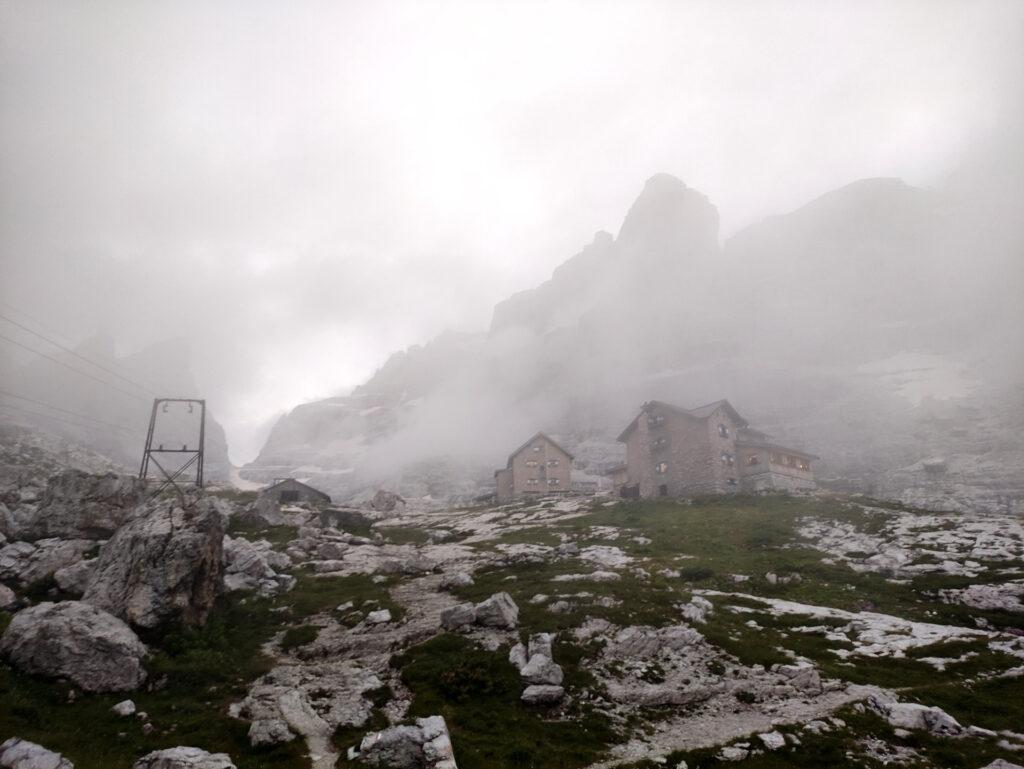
[
  {"x": 275, "y": 484},
  {"x": 701, "y": 412},
  {"x": 531, "y": 440}
]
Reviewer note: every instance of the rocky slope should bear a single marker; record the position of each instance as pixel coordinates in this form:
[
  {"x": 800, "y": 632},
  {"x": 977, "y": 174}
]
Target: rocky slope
[{"x": 863, "y": 326}]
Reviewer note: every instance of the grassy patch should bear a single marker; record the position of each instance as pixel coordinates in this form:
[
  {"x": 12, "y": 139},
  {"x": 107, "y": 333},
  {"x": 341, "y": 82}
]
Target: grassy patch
[
  {"x": 294, "y": 637},
  {"x": 478, "y": 692}
]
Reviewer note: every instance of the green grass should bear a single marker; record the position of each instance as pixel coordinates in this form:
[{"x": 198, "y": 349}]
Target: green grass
[
  {"x": 278, "y": 536},
  {"x": 477, "y": 692},
  {"x": 300, "y": 635},
  {"x": 198, "y": 672}
]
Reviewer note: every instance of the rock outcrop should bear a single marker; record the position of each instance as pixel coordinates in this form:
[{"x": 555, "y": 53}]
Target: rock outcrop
[
  {"x": 498, "y": 611},
  {"x": 28, "y": 562},
  {"x": 184, "y": 758},
  {"x": 251, "y": 566},
  {"x": 74, "y": 640},
  {"x": 17, "y": 753},
  {"x": 79, "y": 505},
  {"x": 426, "y": 745},
  {"x": 165, "y": 566}
]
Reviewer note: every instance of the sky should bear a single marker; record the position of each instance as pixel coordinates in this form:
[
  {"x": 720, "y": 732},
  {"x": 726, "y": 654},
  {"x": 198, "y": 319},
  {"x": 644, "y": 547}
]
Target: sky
[{"x": 300, "y": 189}]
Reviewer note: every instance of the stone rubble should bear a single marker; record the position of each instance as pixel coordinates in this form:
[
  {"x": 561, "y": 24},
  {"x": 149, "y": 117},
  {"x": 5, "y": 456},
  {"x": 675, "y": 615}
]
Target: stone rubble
[
  {"x": 427, "y": 745},
  {"x": 184, "y": 758}
]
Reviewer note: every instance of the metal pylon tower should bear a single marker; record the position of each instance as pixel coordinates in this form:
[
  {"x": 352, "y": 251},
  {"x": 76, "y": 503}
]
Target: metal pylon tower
[{"x": 195, "y": 454}]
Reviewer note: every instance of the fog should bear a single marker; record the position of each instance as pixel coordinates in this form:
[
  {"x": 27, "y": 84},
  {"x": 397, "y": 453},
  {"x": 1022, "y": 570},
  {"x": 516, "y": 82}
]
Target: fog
[{"x": 260, "y": 203}]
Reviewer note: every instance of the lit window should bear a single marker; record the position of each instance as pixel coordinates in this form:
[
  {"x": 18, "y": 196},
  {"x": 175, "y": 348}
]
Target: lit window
[
  {"x": 723, "y": 431},
  {"x": 728, "y": 459},
  {"x": 803, "y": 464},
  {"x": 661, "y": 468},
  {"x": 753, "y": 460}
]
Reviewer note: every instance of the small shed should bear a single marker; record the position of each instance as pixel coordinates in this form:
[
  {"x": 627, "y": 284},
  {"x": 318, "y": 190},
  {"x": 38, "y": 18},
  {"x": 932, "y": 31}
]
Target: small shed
[{"x": 288, "y": 491}]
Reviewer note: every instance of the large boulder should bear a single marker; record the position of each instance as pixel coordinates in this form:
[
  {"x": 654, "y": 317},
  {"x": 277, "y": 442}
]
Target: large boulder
[
  {"x": 165, "y": 566},
  {"x": 385, "y": 501},
  {"x": 247, "y": 566},
  {"x": 74, "y": 640},
  {"x": 912, "y": 715},
  {"x": 8, "y": 600},
  {"x": 184, "y": 758},
  {"x": 265, "y": 511},
  {"x": 79, "y": 505},
  {"x": 17, "y": 753},
  {"x": 497, "y": 611}
]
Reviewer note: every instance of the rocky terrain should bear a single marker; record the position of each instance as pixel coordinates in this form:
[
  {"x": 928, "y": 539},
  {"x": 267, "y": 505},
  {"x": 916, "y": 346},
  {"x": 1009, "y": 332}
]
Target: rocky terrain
[
  {"x": 851, "y": 326},
  {"x": 214, "y": 631}
]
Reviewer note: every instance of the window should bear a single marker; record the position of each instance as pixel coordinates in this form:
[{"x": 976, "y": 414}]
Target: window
[
  {"x": 774, "y": 458},
  {"x": 752, "y": 460},
  {"x": 788, "y": 461},
  {"x": 728, "y": 459},
  {"x": 288, "y": 495},
  {"x": 661, "y": 442},
  {"x": 531, "y": 463},
  {"x": 552, "y": 481},
  {"x": 552, "y": 463},
  {"x": 663, "y": 490},
  {"x": 661, "y": 468},
  {"x": 723, "y": 431},
  {"x": 803, "y": 464},
  {"x": 655, "y": 420},
  {"x": 537, "y": 449},
  {"x": 730, "y": 481},
  {"x": 532, "y": 481}
]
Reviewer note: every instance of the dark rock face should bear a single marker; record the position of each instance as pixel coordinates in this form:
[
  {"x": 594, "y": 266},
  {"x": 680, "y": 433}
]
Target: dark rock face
[
  {"x": 73, "y": 640},
  {"x": 164, "y": 566},
  {"x": 78, "y": 505}
]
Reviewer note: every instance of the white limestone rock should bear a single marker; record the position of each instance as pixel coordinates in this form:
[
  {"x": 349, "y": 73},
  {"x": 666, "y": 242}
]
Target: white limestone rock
[
  {"x": 541, "y": 669},
  {"x": 17, "y": 753},
  {"x": 184, "y": 758},
  {"x": 74, "y": 579},
  {"x": 773, "y": 740},
  {"x": 458, "y": 616},
  {"x": 74, "y": 640},
  {"x": 124, "y": 708},
  {"x": 538, "y": 694},
  {"x": 458, "y": 579},
  {"x": 8, "y": 599}
]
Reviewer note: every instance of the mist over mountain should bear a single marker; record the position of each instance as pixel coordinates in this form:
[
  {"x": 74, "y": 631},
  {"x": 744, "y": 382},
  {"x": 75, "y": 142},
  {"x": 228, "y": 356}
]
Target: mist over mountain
[{"x": 868, "y": 326}]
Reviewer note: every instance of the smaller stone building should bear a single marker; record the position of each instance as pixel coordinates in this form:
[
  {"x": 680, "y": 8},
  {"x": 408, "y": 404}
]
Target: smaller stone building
[
  {"x": 539, "y": 466},
  {"x": 289, "y": 491}
]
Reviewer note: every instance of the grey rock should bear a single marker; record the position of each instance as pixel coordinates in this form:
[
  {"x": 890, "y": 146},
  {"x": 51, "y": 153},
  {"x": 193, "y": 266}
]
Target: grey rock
[
  {"x": 75, "y": 578},
  {"x": 458, "y": 616},
  {"x": 78, "y": 505},
  {"x": 184, "y": 758},
  {"x": 124, "y": 708},
  {"x": 29, "y": 562},
  {"x": 8, "y": 599},
  {"x": 343, "y": 518},
  {"x": 165, "y": 566},
  {"x": 74, "y": 640},
  {"x": 497, "y": 611},
  {"x": 17, "y": 753},
  {"x": 427, "y": 745},
  {"x": 518, "y": 657},
  {"x": 772, "y": 740},
  {"x": 1001, "y": 763},
  {"x": 541, "y": 669},
  {"x": 269, "y": 731},
  {"x": 803, "y": 677},
  {"x": 458, "y": 579},
  {"x": 386, "y": 501},
  {"x": 542, "y": 695},
  {"x": 378, "y": 617},
  {"x": 265, "y": 511},
  {"x": 331, "y": 551}
]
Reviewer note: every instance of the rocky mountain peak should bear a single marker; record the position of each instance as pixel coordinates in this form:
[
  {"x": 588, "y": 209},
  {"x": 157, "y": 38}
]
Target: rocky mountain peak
[{"x": 669, "y": 218}]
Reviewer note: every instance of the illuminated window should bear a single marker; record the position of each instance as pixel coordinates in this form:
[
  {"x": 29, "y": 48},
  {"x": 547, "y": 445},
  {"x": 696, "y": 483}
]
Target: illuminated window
[
  {"x": 728, "y": 459},
  {"x": 803, "y": 464},
  {"x": 661, "y": 468}
]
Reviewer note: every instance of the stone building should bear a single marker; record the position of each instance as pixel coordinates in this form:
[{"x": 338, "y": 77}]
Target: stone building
[
  {"x": 289, "y": 490},
  {"x": 539, "y": 466},
  {"x": 677, "y": 452}
]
